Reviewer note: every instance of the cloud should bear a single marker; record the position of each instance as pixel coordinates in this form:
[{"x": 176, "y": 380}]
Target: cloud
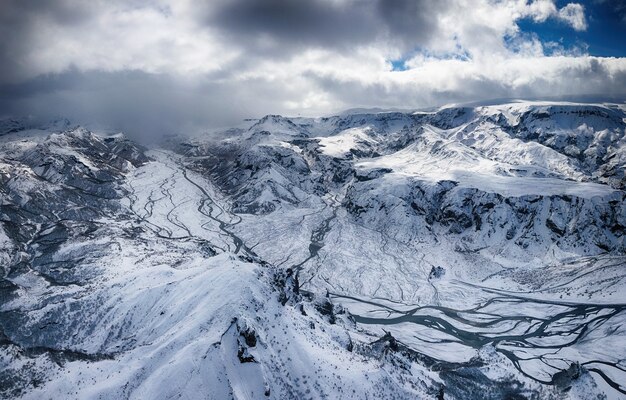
[
  {"x": 318, "y": 23},
  {"x": 141, "y": 103},
  {"x": 434, "y": 81},
  {"x": 162, "y": 66},
  {"x": 574, "y": 15},
  {"x": 52, "y": 37},
  {"x": 541, "y": 10}
]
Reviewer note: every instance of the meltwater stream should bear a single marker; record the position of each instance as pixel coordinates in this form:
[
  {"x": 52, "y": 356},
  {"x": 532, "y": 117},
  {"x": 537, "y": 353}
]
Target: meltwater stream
[{"x": 540, "y": 337}]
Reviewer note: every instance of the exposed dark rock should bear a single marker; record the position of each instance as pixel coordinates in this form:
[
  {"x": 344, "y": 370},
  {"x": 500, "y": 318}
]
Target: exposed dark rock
[
  {"x": 326, "y": 308},
  {"x": 564, "y": 379},
  {"x": 249, "y": 336},
  {"x": 436, "y": 272}
]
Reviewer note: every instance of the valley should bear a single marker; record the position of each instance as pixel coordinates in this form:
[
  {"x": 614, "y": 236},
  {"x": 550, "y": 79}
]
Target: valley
[{"x": 445, "y": 253}]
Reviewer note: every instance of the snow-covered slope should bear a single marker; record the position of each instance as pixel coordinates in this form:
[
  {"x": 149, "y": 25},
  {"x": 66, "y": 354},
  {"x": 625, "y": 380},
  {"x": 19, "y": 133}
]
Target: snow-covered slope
[{"x": 462, "y": 253}]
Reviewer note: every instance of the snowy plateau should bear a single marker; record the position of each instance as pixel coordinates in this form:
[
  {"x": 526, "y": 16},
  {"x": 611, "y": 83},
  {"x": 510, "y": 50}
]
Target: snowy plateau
[{"x": 461, "y": 253}]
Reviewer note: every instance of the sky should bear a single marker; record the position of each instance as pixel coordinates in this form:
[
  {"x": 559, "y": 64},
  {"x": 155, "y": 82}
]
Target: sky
[{"x": 166, "y": 66}]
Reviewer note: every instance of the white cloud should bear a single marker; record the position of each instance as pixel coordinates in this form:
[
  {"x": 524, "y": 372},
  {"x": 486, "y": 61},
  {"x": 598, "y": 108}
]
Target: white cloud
[
  {"x": 574, "y": 15},
  {"x": 541, "y": 10},
  {"x": 116, "y": 37},
  {"x": 434, "y": 81}
]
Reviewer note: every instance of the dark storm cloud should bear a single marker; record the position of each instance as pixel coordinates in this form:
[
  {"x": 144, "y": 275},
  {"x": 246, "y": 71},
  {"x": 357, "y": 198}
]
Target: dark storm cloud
[
  {"x": 325, "y": 23},
  {"x": 315, "y": 22},
  {"x": 19, "y": 20},
  {"x": 20, "y": 12},
  {"x": 411, "y": 21}
]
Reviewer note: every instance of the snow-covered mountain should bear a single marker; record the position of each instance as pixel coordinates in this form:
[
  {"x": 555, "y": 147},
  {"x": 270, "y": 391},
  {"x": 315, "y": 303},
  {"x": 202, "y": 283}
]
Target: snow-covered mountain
[{"x": 468, "y": 252}]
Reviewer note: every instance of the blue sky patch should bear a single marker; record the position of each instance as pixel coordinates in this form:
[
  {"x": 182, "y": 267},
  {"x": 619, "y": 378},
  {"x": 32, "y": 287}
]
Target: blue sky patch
[{"x": 605, "y": 35}]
